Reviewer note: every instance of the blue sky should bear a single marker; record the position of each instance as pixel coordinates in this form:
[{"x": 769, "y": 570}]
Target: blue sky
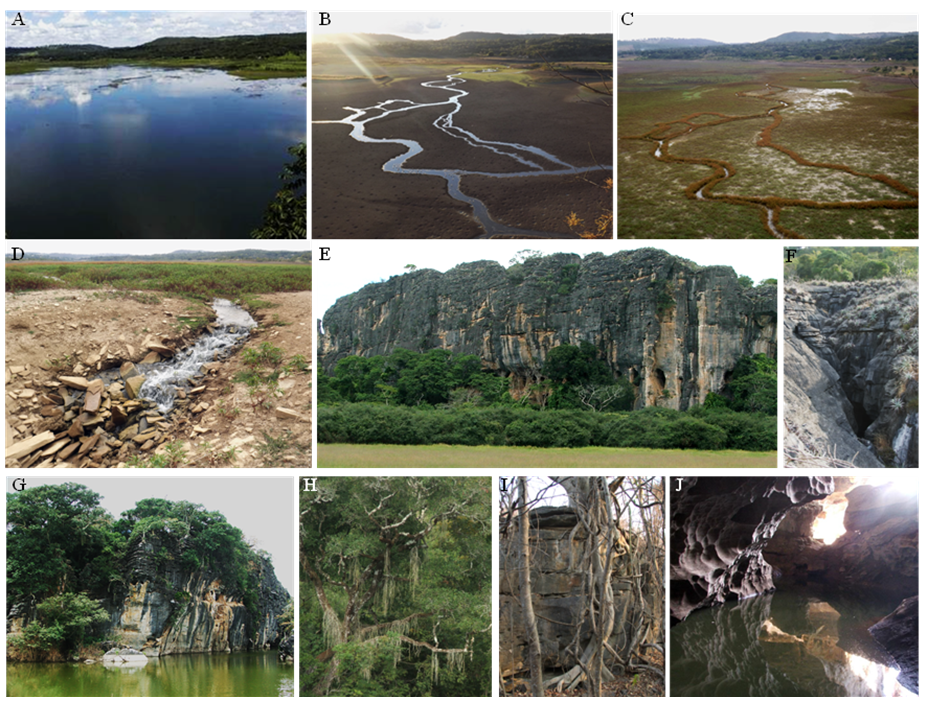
[{"x": 131, "y": 28}]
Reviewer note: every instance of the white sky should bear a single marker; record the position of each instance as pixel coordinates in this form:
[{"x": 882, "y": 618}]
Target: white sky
[
  {"x": 440, "y": 25},
  {"x": 262, "y": 507},
  {"x": 149, "y": 247},
  {"x": 347, "y": 272},
  {"x": 755, "y": 28},
  {"x": 131, "y": 28}
]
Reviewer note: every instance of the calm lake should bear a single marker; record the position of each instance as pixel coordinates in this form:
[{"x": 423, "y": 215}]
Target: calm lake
[
  {"x": 140, "y": 152},
  {"x": 792, "y": 643},
  {"x": 193, "y": 675}
]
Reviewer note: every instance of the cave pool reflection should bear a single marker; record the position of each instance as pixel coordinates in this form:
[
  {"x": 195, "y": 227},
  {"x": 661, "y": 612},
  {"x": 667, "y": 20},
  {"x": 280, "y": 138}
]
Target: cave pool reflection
[
  {"x": 189, "y": 675},
  {"x": 790, "y": 643}
]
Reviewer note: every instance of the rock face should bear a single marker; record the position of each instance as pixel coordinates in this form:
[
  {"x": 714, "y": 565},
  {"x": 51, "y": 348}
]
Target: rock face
[
  {"x": 166, "y": 609},
  {"x": 674, "y": 329},
  {"x": 556, "y": 582},
  {"x": 898, "y": 633},
  {"x": 719, "y": 527},
  {"x": 851, "y": 374}
]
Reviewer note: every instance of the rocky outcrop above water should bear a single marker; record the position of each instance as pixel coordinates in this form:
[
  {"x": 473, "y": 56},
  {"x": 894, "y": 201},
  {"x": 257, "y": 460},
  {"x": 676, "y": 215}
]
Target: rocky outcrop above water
[
  {"x": 671, "y": 327},
  {"x": 898, "y": 633},
  {"x": 851, "y": 374},
  {"x": 168, "y": 609},
  {"x": 719, "y": 527}
]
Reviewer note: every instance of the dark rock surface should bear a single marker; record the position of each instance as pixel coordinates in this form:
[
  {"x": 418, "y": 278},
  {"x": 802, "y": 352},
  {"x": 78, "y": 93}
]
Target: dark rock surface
[
  {"x": 556, "y": 583},
  {"x": 166, "y": 608},
  {"x": 719, "y": 527},
  {"x": 899, "y": 634},
  {"x": 671, "y": 327},
  {"x": 851, "y": 374}
]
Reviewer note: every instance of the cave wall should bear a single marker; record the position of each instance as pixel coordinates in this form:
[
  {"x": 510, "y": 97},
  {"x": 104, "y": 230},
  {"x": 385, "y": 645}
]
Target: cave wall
[
  {"x": 672, "y": 328},
  {"x": 851, "y": 385},
  {"x": 719, "y": 527},
  {"x": 879, "y": 551}
]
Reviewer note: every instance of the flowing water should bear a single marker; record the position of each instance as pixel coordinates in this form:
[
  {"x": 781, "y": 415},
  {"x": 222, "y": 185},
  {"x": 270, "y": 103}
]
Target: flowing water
[
  {"x": 537, "y": 161},
  {"x": 190, "y": 675},
  {"x": 792, "y": 643},
  {"x": 232, "y": 325}
]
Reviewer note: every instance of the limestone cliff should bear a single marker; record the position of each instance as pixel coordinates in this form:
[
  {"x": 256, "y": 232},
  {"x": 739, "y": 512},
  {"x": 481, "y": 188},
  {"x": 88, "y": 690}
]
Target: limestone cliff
[
  {"x": 673, "y": 328},
  {"x": 166, "y": 609},
  {"x": 851, "y": 374}
]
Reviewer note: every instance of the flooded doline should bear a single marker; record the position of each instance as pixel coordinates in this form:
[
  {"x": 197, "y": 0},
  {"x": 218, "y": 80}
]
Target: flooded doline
[{"x": 791, "y": 643}]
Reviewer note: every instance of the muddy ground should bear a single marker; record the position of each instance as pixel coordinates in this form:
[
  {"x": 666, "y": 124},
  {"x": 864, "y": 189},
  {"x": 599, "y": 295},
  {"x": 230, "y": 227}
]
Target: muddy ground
[
  {"x": 62, "y": 332},
  {"x": 353, "y": 198}
]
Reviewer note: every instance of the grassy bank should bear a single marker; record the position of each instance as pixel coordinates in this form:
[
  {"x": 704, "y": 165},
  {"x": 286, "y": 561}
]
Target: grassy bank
[
  {"x": 183, "y": 279},
  {"x": 286, "y": 66},
  {"x": 344, "y": 455}
]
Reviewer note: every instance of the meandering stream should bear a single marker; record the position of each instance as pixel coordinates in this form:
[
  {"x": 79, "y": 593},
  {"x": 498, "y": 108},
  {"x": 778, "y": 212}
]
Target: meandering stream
[{"x": 537, "y": 161}]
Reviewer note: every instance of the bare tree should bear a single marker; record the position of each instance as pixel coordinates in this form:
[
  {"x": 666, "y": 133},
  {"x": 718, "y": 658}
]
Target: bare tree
[{"x": 527, "y": 601}]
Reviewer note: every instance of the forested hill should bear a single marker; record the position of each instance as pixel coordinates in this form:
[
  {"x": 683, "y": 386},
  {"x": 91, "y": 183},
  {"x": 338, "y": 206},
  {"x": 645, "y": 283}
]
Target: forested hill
[
  {"x": 235, "y": 47},
  {"x": 792, "y": 46},
  {"x": 558, "y": 47}
]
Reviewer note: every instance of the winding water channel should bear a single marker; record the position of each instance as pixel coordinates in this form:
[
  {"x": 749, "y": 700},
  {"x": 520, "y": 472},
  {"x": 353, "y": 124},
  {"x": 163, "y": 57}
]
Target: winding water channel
[
  {"x": 537, "y": 161},
  {"x": 232, "y": 325}
]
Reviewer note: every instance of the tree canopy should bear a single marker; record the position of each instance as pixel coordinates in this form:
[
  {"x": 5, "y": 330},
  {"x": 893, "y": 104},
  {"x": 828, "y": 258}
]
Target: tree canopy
[{"x": 396, "y": 587}]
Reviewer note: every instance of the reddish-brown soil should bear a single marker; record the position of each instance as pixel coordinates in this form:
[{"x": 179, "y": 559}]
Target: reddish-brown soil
[{"x": 76, "y": 325}]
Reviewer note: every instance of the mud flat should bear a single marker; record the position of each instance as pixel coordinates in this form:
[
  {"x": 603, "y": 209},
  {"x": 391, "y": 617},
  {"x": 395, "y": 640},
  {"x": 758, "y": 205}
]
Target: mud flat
[{"x": 354, "y": 197}]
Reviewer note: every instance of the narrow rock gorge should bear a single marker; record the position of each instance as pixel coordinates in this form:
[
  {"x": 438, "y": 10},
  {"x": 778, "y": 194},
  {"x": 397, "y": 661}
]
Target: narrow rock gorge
[
  {"x": 826, "y": 574},
  {"x": 851, "y": 374},
  {"x": 673, "y": 328}
]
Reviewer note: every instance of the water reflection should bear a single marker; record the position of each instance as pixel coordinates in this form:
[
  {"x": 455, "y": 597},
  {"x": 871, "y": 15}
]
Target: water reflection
[
  {"x": 783, "y": 645},
  {"x": 192, "y": 675},
  {"x": 131, "y": 151}
]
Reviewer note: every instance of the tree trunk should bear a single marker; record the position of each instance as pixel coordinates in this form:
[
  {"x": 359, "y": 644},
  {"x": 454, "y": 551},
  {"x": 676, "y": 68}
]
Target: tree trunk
[{"x": 527, "y": 604}]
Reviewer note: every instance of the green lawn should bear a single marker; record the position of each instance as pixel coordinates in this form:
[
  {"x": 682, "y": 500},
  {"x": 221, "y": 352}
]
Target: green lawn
[{"x": 346, "y": 455}]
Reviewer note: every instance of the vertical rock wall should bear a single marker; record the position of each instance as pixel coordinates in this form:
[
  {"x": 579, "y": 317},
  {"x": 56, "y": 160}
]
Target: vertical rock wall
[{"x": 671, "y": 327}]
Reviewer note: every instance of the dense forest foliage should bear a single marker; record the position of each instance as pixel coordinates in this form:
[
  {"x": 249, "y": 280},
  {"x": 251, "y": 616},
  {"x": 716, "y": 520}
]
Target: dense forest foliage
[
  {"x": 904, "y": 47},
  {"x": 65, "y": 553},
  {"x": 555, "y": 47},
  {"x": 414, "y": 398},
  {"x": 845, "y": 264},
  {"x": 396, "y": 580},
  {"x": 259, "y": 46}
]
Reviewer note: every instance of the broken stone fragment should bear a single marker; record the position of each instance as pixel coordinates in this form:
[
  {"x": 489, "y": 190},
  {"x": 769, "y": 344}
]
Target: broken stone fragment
[
  {"x": 51, "y": 410},
  {"x": 24, "y": 447},
  {"x": 161, "y": 349},
  {"x": 151, "y": 358},
  {"x": 94, "y": 395},
  {"x": 127, "y": 369},
  {"x": 133, "y": 385},
  {"x": 284, "y": 413},
  {"x": 128, "y": 432},
  {"x": 75, "y": 382},
  {"x": 55, "y": 447}
]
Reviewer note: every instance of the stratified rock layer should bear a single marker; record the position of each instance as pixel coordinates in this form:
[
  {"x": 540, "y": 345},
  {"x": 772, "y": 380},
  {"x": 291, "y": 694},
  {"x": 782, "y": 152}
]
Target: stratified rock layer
[
  {"x": 166, "y": 609},
  {"x": 719, "y": 527},
  {"x": 674, "y": 329},
  {"x": 851, "y": 374}
]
